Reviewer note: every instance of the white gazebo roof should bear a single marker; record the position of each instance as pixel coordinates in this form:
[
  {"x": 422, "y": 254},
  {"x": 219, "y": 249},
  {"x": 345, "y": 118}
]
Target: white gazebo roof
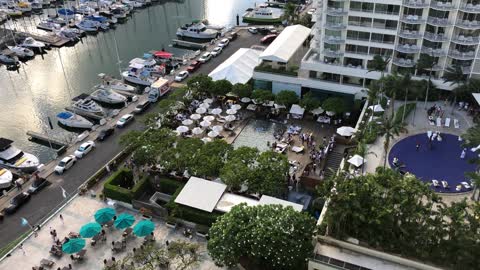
[
  {"x": 238, "y": 68},
  {"x": 272, "y": 200},
  {"x": 201, "y": 194},
  {"x": 296, "y": 109},
  {"x": 286, "y": 44},
  {"x": 229, "y": 200},
  {"x": 476, "y": 96}
]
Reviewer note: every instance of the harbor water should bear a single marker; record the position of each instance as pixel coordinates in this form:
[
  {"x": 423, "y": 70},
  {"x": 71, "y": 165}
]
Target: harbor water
[{"x": 42, "y": 87}]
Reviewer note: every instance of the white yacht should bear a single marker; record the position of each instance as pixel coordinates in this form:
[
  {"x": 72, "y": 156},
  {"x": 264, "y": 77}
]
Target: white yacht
[
  {"x": 68, "y": 33},
  {"x": 12, "y": 157},
  {"x": 9, "y": 58},
  {"x": 116, "y": 85},
  {"x": 73, "y": 120},
  {"x": 6, "y": 178},
  {"x": 31, "y": 43},
  {"x": 24, "y": 7},
  {"x": 197, "y": 31},
  {"x": 108, "y": 96},
  {"x": 135, "y": 74},
  {"x": 48, "y": 25},
  {"x": 87, "y": 105},
  {"x": 21, "y": 52},
  {"x": 263, "y": 14},
  {"x": 88, "y": 26}
]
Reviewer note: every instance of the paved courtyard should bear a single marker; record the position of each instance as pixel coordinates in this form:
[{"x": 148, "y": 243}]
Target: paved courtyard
[{"x": 77, "y": 213}]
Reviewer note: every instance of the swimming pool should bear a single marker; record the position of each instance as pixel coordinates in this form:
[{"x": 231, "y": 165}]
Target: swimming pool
[{"x": 257, "y": 133}]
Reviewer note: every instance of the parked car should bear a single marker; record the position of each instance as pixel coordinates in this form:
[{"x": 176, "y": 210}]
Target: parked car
[
  {"x": 232, "y": 36},
  {"x": 124, "y": 120},
  {"x": 105, "y": 133},
  {"x": 216, "y": 51},
  {"x": 65, "y": 164},
  {"x": 194, "y": 66},
  {"x": 205, "y": 57},
  {"x": 182, "y": 75},
  {"x": 141, "y": 107},
  {"x": 272, "y": 30},
  {"x": 84, "y": 149},
  {"x": 253, "y": 30},
  {"x": 223, "y": 43},
  {"x": 16, "y": 202},
  {"x": 263, "y": 30},
  {"x": 268, "y": 39},
  {"x": 37, "y": 185}
]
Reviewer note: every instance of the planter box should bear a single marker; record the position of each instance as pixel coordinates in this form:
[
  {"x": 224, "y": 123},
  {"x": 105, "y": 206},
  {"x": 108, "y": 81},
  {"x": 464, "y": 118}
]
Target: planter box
[
  {"x": 171, "y": 225},
  {"x": 203, "y": 235}
]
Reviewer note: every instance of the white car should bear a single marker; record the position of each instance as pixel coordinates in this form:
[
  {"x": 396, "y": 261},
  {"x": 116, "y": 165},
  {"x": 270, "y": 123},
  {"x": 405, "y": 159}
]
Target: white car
[
  {"x": 84, "y": 149},
  {"x": 124, "y": 120},
  {"x": 223, "y": 43},
  {"x": 311, "y": 11},
  {"x": 182, "y": 75},
  {"x": 216, "y": 51},
  {"x": 252, "y": 30},
  {"x": 205, "y": 57},
  {"x": 65, "y": 164}
]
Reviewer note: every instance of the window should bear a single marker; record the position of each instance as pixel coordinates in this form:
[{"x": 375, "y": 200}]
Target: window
[
  {"x": 384, "y": 24},
  {"x": 359, "y": 21},
  {"x": 356, "y": 49},
  {"x": 389, "y": 39},
  {"x": 356, "y": 35},
  {"x": 380, "y": 51},
  {"x": 361, "y": 6},
  {"x": 387, "y": 9}
]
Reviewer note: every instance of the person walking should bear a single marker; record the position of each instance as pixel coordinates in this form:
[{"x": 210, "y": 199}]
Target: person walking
[
  {"x": 464, "y": 153},
  {"x": 417, "y": 146},
  {"x": 23, "y": 250},
  {"x": 61, "y": 218}
]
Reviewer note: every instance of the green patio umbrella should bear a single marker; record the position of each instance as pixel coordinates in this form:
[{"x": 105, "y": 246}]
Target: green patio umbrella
[
  {"x": 90, "y": 229},
  {"x": 124, "y": 221},
  {"x": 104, "y": 215},
  {"x": 73, "y": 245},
  {"x": 143, "y": 228}
]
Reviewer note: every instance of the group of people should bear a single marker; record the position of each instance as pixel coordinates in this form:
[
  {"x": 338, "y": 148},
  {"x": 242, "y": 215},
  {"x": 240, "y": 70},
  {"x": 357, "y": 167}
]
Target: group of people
[{"x": 436, "y": 110}]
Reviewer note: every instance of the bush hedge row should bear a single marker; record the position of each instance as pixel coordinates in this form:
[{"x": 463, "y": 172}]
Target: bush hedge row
[
  {"x": 169, "y": 186},
  {"x": 113, "y": 190},
  {"x": 399, "y": 113}
]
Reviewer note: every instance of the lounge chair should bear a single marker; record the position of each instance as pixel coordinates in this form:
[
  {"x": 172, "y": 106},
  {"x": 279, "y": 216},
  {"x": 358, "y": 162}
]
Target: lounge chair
[
  {"x": 435, "y": 183},
  {"x": 447, "y": 122},
  {"x": 445, "y": 184},
  {"x": 466, "y": 185},
  {"x": 439, "y": 122},
  {"x": 456, "y": 123}
]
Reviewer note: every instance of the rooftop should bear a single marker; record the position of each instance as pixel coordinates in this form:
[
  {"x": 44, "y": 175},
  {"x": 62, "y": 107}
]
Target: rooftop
[
  {"x": 201, "y": 194},
  {"x": 286, "y": 44},
  {"x": 238, "y": 68}
]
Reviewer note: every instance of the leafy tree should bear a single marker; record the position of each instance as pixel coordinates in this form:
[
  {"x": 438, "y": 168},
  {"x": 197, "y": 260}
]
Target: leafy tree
[
  {"x": 334, "y": 104},
  {"x": 183, "y": 155},
  {"x": 310, "y": 102},
  {"x": 286, "y": 98},
  {"x": 242, "y": 90},
  {"x": 290, "y": 12},
  {"x": 220, "y": 88},
  {"x": 455, "y": 75},
  {"x": 200, "y": 84},
  {"x": 211, "y": 158},
  {"x": 239, "y": 169},
  {"x": 426, "y": 62},
  {"x": 269, "y": 236},
  {"x": 472, "y": 136},
  {"x": 183, "y": 255},
  {"x": 262, "y": 96},
  {"x": 390, "y": 128},
  {"x": 305, "y": 20},
  {"x": 271, "y": 171},
  {"x": 475, "y": 178}
]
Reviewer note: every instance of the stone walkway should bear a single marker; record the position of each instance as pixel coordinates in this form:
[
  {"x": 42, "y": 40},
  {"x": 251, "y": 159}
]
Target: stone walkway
[{"x": 77, "y": 213}]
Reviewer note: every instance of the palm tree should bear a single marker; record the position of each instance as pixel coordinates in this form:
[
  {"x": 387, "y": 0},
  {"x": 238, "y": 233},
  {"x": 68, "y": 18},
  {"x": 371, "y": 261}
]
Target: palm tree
[
  {"x": 426, "y": 62},
  {"x": 455, "y": 75},
  {"x": 475, "y": 178},
  {"x": 405, "y": 83},
  {"x": 390, "y": 128},
  {"x": 290, "y": 12},
  {"x": 379, "y": 64},
  {"x": 362, "y": 149}
]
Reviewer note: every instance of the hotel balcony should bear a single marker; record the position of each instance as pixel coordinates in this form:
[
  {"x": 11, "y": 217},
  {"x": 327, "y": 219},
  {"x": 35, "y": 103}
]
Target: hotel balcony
[
  {"x": 336, "y": 11},
  {"x": 409, "y": 34},
  {"x": 331, "y": 53},
  {"x": 466, "y": 40},
  {"x": 434, "y": 52},
  {"x": 456, "y": 54},
  {"x": 438, "y": 21},
  {"x": 335, "y": 26},
  {"x": 468, "y": 24},
  {"x": 412, "y": 19},
  {"x": 439, "y": 5},
  {"x": 465, "y": 69},
  {"x": 402, "y": 62},
  {"x": 334, "y": 40},
  {"x": 435, "y": 37},
  {"x": 415, "y": 3},
  {"x": 406, "y": 48},
  {"x": 470, "y": 8}
]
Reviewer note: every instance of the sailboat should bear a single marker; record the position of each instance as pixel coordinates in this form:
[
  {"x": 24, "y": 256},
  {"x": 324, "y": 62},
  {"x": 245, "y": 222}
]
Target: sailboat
[
  {"x": 73, "y": 120},
  {"x": 21, "y": 52}
]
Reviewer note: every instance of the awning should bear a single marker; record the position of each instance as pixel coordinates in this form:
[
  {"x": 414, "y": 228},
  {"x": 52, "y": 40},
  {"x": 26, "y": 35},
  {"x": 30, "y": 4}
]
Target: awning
[
  {"x": 163, "y": 54},
  {"x": 296, "y": 109},
  {"x": 201, "y": 194},
  {"x": 286, "y": 44}
]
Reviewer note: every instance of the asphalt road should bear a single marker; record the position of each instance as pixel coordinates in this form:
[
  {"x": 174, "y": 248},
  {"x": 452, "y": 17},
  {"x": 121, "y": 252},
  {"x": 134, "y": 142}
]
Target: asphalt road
[{"x": 50, "y": 198}]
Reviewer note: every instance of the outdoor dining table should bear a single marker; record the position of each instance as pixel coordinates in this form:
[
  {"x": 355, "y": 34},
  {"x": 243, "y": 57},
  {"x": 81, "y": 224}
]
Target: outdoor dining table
[
  {"x": 127, "y": 232},
  {"x": 73, "y": 235}
]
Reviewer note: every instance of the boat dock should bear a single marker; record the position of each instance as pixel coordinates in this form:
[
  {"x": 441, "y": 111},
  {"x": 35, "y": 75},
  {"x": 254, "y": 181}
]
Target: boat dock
[
  {"x": 50, "y": 39},
  {"x": 189, "y": 44},
  {"x": 45, "y": 140}
]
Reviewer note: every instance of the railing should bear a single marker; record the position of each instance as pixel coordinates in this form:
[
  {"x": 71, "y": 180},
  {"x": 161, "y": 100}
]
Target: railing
[
  {"x": 465, "y": 69},
  {"x": 442, "y": 5},
  {"x": 470, "y": 8},
  {"x": 412, "y": 19},
  {"x": 334, "y": 40},
  {"x": 336, "y": 12},
  {"x": 468, "y": 24},
  {"x": 435, "y": 37},
  {"x": 415, "y": 3},
  {"x": 406, "y": 48},
  {"x": 469, "y": 40},
  {"x": 462, "y": 55},
  {"x": 283, "y": 71},
  {"x": 331, "y": 53},
  {"x": 331, "y": 25},
  {"x": 403, "y": 62},
  {"x": 362, "y": 10},
  {"x": 410, "y": 34},
  {"x": 434, "y": 52},
  {"x": 438, "y": 21}
]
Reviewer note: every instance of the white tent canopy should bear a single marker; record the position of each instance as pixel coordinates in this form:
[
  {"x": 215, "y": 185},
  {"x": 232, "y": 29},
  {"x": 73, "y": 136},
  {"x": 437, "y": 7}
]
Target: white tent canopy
[
  {"x": 346, "y": 131},
  {"x": 238, "y": 68},
  {"x": 476, "y": 96},
  {"x": 264, "y": 200},
  {"x": 297, "y": 111},
  {"x": 201, "y": 194},
  {"x": 286, "y": 44},
  {"x": 356, "y": 160},
  {"x": 376, "y": 108}
]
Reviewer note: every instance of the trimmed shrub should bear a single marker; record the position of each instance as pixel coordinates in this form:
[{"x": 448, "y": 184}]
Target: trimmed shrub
[
  {"x": 114, "y": 187},
  {"x": 169, "y": 186},
  {"x": 140, "y": 187},
  {"x": 399, "y": 112}
]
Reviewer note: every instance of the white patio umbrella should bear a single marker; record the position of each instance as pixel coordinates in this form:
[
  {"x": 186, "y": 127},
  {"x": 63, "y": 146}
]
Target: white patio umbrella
[
  {"x": 205, "y": 123},
  {"x": 330, "y": 113},
  {"x": 356, "y": 160},
  {"x": 217, "y": 128},
  {"x": 205, "y": 140},
  {"x": 205, "y": 105},
  {"x": 201, "y": 110},
  {"x": 346, "y": 131},
  {"x": 318, "y": 110},
  {"x": 197, "y": 131},
  {"x": 230, "y": 118},
  {"x": 216, "y": 111},
  {"x": 182, "y": 129},
  {"x": 195, "y": 116},
  {"x": 212, "y": 134},
  {"x": 208, "y": 100},
  {"x": 187, "y": 122},
  {"x": 236, "y": 107},
  {"x": 231, "y": 111},
  {"x": 245, "y": 100},
  {"x": 209, "y": 118},
  {"x": 376, "y": 108}
]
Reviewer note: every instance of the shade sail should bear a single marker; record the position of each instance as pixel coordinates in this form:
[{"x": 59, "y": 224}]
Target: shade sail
[{"x": 238, "y": 68}]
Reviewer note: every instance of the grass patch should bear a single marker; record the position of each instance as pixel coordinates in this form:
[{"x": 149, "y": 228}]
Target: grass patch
[{"x": 6, "y": 249}]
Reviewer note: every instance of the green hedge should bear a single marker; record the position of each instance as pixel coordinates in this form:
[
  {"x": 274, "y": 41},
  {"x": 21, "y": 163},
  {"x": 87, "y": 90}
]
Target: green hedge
[
  {"x": 399, "y": 112},
  {"x": 170, "y": 186},
  {"x": 113, "y": 190}
]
